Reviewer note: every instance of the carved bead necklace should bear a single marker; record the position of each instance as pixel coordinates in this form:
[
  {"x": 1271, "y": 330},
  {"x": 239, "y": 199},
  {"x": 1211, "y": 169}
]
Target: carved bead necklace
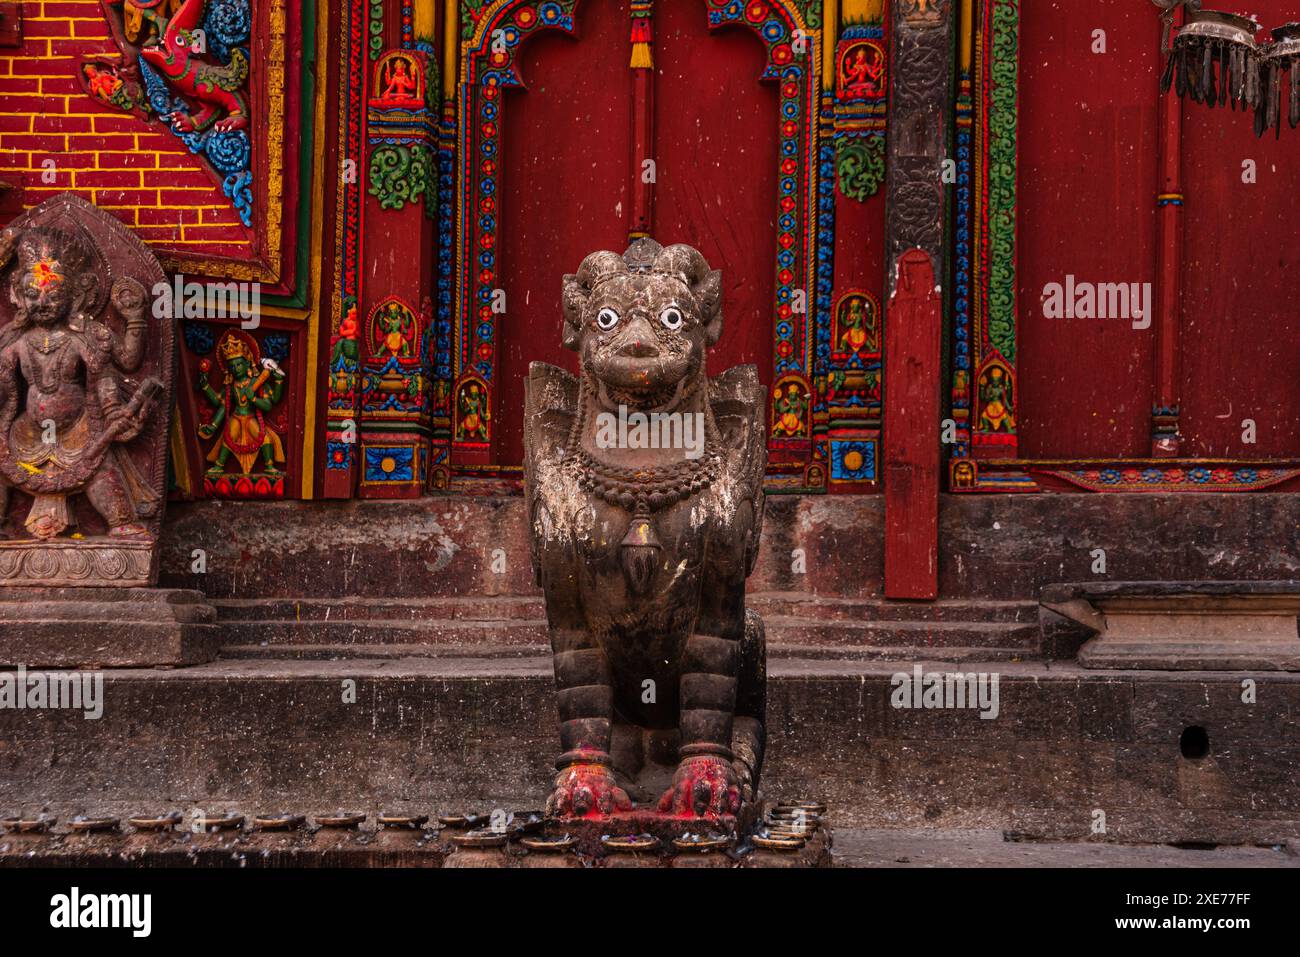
[{"x": 641, "y": 489}]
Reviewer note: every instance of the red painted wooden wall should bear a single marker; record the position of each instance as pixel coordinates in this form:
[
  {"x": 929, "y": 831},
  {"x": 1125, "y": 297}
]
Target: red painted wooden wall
[
  {"x": 1088, "y": 135},
  {"x": 1088, "y": 181},
  {"x": 566, "y": 156}
]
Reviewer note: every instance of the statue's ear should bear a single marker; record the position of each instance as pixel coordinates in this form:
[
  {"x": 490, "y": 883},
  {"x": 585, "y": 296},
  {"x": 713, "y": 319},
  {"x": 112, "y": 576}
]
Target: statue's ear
[
  {"x": 708, "y": 292},
  {"x": 577, "y": 291},
  {"x": 574, "y": 299}
]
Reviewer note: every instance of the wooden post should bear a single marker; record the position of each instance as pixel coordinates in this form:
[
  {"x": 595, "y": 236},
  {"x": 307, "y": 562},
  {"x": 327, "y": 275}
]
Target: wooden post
[
  {"x": 643, "y": 111},
  {"x": 913, "y": 344},
  {"x": 920, "y": 118}
]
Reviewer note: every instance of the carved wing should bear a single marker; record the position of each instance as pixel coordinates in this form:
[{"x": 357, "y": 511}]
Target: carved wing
[
  {"x": 739, "y": 408},
  {"x": 550, "y": 405}
]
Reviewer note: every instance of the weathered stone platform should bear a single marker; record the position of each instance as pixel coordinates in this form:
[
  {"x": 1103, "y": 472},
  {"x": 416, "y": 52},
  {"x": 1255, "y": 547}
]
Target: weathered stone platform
[
  {"x": 458, "y": 734},
  {"x": 1183, "y": 626}
]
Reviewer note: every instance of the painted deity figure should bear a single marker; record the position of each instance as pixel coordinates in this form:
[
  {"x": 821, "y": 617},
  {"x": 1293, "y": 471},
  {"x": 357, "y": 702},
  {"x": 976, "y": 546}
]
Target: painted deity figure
[
  {"x": 241, "y": 407},
  {"x": 996, "y": 402},
  {"x": 64, "y": 408},
  {"x": 474, "y": 414},
  {"x": 401, "y": 84},
  {"x": 394, "y": 329},
  {"x": 862, "y": 74},
  {"x": 789, "y": 407},
  {"x": 859, "y": 327}
]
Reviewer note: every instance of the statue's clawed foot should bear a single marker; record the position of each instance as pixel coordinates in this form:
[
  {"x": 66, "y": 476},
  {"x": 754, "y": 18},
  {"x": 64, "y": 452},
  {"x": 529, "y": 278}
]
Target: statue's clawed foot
[
  {"x": 703, "y": 786},
  {"x": 587, "y": 790},
  {"x": 130, "y": 530}
]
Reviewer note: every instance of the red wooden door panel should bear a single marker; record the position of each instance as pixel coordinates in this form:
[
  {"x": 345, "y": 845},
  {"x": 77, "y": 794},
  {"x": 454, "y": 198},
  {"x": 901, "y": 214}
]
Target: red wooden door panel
[
  {"x": 1240, "y": 322},
  {"x": 1088, "y": 135},
  {"x": 716, "y": 158},
  {"x": 565, "y": 143}
]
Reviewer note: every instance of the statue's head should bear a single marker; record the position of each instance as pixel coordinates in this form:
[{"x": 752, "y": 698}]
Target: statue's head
[
  {"x": 53, "y": 277},
  {"x": 236, "y": 357},
  {"x": 643, "y": 322}
]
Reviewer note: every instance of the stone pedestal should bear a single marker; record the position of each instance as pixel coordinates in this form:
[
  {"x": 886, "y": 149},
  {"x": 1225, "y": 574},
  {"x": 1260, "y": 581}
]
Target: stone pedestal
[
  {"x": 105, "y": 627},
  {"x": 1184, "y": 626}
]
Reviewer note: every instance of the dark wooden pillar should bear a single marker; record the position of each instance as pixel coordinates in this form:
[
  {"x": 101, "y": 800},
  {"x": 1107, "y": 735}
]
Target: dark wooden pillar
[{"x": 920, "y": 120}]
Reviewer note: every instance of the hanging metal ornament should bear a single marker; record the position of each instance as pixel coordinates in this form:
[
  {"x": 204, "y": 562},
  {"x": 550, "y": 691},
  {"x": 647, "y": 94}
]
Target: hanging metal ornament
[
  {"x": 1215, "y": 60},
  {"x": 1276, "y": 58},
  {"x": 1170, "y": 7}
]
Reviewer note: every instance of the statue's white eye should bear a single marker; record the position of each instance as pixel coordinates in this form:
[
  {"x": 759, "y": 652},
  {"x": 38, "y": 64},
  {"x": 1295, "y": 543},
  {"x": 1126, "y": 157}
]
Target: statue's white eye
[
  {"x": 607, "y": 319},
  {"x": 671, "y": 318}
]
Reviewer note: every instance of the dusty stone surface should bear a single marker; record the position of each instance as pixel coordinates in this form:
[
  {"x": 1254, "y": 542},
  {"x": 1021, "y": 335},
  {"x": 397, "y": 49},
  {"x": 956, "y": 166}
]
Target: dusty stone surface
[
  {"x": 106, "y": 627},
  {"x": 868, "y": 847},
  {"x": 473, "y": 734},
  {"x": 1182, "y": 625},
  {"x": 1005, "y": 547}
]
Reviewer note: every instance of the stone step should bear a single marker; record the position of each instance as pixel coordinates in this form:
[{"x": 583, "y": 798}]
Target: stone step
[
  {"x": 781, "y": 630},
  {"x": 542, "y": 653},
  {"x": 516, "y": 607}
]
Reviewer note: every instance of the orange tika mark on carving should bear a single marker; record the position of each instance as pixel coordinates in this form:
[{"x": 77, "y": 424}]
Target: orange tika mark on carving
[{"x": 45, "y": 273}]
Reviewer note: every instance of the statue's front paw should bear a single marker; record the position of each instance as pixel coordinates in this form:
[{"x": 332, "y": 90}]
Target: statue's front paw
[
  {"x": 703, "y": 786},
  {"x": 587, "y": 790}
]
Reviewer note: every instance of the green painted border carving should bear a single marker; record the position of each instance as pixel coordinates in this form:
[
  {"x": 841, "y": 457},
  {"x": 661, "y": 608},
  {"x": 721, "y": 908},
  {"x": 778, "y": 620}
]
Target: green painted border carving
[
  {"x": 1003, "y": 132},
  {"x": 860, "y": 166},
  {"x": 376, "y": 27},
  {"x": 401, "y": 175}
]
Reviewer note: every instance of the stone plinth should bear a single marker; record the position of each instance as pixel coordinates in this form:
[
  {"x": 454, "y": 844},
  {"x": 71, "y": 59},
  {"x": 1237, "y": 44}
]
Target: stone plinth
[
  {"x": 1184, "y": 626},
  {"x": 105, "y": 627}
]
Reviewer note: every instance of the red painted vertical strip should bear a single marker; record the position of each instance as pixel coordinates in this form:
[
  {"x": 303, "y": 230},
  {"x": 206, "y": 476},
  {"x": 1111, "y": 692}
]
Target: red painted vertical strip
[
  {"x": 643, "y": 118},
  {"x": 913, "y": 331},
  {"x": 642, "y": 191},
  {"x": 1165, "y": 439}
]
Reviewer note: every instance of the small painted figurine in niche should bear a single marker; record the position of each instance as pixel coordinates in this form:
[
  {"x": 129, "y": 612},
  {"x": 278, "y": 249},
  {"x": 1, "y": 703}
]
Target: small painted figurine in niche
[
  {"x": 401, "y": 83},
  {"x": 860, "y": 331},
  {"x": 474, "y": 413},
  {"x": 241, "y": 408},
  {"x": 996, "y": 401},
  {"x": 394, "y": 329},
  {"x": 922, "y": 13},
  {"x": 66, "y": 409},
  {"x": 862, "y": 70},
  {"x": 642, "y": 552},
  {"x": 789, "y": 407}
]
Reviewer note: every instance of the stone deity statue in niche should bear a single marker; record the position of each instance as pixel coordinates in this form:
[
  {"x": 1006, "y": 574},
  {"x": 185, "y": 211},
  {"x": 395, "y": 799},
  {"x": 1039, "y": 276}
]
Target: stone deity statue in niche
[
  {"x": 644, "y": 487},
  {"x": 85, "y": 376}
]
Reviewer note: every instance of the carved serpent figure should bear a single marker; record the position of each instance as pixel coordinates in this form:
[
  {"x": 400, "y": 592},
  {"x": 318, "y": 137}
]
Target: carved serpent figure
[
  {"x": 643, "y": 552},
  {"x": 215, "y": 88}
]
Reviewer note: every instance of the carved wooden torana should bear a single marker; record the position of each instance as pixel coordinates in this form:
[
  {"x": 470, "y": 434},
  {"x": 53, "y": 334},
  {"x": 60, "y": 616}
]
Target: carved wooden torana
[
  {"x": 85, "y": 395},
  {"x": 643, "y": 552}
]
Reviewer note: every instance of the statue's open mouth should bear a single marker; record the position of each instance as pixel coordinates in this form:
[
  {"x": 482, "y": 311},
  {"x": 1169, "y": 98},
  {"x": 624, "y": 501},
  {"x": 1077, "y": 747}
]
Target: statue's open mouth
[{"x": 647, "y": 398}]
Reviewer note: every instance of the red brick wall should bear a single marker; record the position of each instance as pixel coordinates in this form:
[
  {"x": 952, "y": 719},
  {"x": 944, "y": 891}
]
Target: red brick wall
[{"x": 137, "y": 171}]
